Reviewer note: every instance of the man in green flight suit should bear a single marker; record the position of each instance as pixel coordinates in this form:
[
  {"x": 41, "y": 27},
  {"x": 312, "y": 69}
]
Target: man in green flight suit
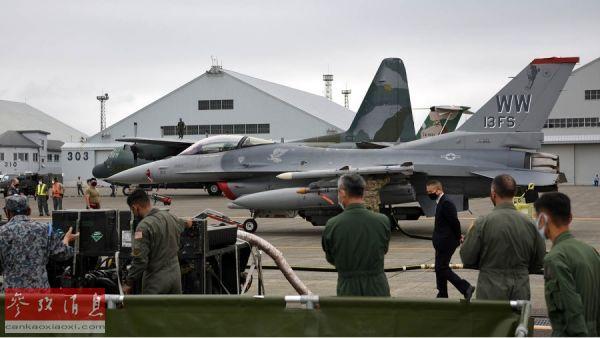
[
  {"x": 356, "y": 241},
  {"x": 571, "y": 271},
  {"x": 155, "y": 248},
  {"x": 505, "y": 246}
]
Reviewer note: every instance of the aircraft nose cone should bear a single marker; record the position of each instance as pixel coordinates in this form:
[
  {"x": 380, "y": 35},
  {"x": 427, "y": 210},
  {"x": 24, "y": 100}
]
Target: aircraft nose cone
[
  {"x": 100, "y": 171},
  {"x": 135, "y": 175}
]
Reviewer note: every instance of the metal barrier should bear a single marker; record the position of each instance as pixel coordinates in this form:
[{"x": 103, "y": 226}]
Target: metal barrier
[{"x": 311, "y": 315}]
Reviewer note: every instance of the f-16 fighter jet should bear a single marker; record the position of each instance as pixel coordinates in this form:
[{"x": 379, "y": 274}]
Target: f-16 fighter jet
[{"x": 284, "y": 180}]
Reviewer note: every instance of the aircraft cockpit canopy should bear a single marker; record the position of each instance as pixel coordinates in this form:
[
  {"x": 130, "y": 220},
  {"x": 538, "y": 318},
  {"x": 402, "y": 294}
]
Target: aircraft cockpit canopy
[
  {"x": 115, "y": 153},
  {"x": 221, "y": 143}
]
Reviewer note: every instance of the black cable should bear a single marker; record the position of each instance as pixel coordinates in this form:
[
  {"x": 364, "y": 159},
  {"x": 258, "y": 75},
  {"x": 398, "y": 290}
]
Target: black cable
[
  {"x": 399, "y": 269},
  {"x": 394, "y": 221},
  {"x": 412, "y": 236},
  {"x": 318, "y": 269}
]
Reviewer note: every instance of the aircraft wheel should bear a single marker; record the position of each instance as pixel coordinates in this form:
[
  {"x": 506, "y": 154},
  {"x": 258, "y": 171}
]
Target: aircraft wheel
[
  {"x": 126, "y": 191},
  {"x": 250, "y": 225},
  {"x": 213, "y": 189}
]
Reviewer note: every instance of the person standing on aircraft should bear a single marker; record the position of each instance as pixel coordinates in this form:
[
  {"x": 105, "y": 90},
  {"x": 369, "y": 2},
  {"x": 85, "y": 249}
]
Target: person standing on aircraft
[
  {"x": 446, "y": 238},
  {"x": 180, "y": 128},
  {"x": 504, "y": 245},
  {"x": 356, "y": 241},
  {"x": 571, "y": 271}
]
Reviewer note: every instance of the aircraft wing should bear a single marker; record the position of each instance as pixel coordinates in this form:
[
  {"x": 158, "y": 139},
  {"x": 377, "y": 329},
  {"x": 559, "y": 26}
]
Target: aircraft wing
[
  {"x": 522, "y": 176},
  {"x": 156, "y": 141},
  {"x": 405, "y": 169}
]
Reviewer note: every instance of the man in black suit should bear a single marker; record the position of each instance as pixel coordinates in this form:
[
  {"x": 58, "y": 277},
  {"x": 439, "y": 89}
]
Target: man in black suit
[{"x": 446, "y": 238}]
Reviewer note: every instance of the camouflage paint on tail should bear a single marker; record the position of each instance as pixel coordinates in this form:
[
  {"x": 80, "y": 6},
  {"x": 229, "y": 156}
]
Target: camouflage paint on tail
[
  {"x": 514, "y": 117},
  {"x": 385, "y": 115},
  {"x": 441, "y": 120},
  {"x": 523, "y": 105}
]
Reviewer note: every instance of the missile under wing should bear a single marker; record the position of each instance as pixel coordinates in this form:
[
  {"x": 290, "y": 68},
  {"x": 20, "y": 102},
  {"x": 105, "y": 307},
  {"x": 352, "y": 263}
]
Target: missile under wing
[{"x": 503, "y": 136}]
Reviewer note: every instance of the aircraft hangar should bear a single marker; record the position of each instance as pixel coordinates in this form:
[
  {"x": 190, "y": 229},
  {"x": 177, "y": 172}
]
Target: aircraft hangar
[
  {"x": 220, "y": 101},
  {"x": 572, "y": 130}
]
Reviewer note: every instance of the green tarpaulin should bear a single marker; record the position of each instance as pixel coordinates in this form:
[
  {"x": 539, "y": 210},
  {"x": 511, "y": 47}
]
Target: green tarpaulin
[{"x": 192, "y": 315}]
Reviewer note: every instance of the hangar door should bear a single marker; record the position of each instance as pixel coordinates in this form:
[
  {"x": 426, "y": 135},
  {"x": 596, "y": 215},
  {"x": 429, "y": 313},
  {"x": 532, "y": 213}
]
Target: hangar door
[{"x": 587, "y": 163}]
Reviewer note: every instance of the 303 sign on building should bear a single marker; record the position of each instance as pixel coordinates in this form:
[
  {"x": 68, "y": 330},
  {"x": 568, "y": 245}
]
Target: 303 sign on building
[{"x": 69, "y": 311}]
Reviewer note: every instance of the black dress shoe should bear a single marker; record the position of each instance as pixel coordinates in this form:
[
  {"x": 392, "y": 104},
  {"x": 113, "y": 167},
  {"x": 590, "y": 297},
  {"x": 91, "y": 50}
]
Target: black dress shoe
[{"x": 469, "y": 293}]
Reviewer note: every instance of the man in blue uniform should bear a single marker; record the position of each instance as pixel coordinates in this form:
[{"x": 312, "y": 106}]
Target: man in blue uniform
[{"x": 26, "y": 246}]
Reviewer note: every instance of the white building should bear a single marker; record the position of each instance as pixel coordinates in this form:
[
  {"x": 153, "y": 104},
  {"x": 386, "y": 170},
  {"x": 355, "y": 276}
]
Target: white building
[
  {"x": 217, "y": 102},
  {"x": 29, "y": 151},
  {"x": 573, "y": 128},
  {"x": 80, "y": 158},
  {"x": 221, "y": 101},
  {"x": 21, "y": 116}
]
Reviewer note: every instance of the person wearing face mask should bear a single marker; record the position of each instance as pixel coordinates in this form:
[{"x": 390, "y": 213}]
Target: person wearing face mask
[
  {"x": 446, "y": 238},
  {"x": 571, "y": 271},
  {"x": 92, "y": 196},
  {"x": 41, "y": 195},
  {"x": 14, "y": 189},
  {"x": 27, "y": 245},
  {"x": 356, "y": 241},
  {"x": 155, "y": 247},
  {"x": 504, "y": 245}
]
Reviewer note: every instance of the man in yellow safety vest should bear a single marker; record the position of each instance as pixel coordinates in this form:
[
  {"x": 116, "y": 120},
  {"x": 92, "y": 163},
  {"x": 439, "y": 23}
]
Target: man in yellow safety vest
[{"x": 41, "y": 195}]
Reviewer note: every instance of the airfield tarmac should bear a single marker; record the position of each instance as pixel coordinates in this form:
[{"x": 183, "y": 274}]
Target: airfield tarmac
[{"x": 300, "y": 242}]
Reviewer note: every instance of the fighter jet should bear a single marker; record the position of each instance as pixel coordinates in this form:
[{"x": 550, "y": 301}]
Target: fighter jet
[
  {"x": 285, "y": 180},
  {"x": 384, "y": 118},
  {"x": 144, "y": 151}
]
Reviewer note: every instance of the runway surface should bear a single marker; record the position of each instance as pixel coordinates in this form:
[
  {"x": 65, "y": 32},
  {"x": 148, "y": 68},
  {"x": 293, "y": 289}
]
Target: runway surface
[{"x": 300, "y": 242}]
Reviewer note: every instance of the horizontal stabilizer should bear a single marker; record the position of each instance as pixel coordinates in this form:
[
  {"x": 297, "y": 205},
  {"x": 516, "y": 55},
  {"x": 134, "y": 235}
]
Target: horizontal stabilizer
[
  {"x": 523, "y": 177},
  {"x": 377, "y": 170}
]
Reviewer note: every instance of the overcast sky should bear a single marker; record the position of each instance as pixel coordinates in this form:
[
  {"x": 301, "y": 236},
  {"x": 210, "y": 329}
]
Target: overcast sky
[{"x": 59, "y": 55}]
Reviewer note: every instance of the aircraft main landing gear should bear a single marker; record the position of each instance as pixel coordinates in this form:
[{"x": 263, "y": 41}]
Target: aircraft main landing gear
[{"x": 213, "y": 189}]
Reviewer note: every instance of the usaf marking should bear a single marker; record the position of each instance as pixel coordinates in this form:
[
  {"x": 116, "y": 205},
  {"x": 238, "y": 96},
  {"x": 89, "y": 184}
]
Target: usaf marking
[
  {"x": 450, "y": 156},
  {"x": 508, "y": 104}
]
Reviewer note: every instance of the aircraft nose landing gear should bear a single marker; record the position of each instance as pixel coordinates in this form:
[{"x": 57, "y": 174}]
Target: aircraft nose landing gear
[{"x": 250, "y": 225}]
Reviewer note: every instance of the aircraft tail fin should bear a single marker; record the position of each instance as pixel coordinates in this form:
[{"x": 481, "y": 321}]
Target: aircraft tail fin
[
  {"x": 385, "y": 115},
  {"x": 515, "y": 116},
  {"x": 441, "y": 120},
  {"x": 523, "y": 105}
]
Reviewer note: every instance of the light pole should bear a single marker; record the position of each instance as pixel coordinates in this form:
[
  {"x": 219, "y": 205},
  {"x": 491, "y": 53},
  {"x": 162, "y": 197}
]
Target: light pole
[{"x": 102, "y": 99}]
